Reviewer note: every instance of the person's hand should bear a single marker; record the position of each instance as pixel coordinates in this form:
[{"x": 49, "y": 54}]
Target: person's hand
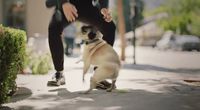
[
  {"x": 70, "y": 12},
  {"x": 107, "y": 16}
]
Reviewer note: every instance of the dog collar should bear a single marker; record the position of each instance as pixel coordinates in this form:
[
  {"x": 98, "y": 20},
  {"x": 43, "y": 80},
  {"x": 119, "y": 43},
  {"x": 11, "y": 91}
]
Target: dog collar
[
  {"x": 90, "y": 41},
  {"x": 99, "y": 45}
]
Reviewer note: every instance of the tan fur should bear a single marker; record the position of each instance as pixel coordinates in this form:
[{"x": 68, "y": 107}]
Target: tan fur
[{"x": 105, "y": 58}]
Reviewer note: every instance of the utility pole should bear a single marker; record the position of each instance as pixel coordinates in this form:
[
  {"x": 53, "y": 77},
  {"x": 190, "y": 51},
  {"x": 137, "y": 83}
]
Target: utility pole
[
  {"x": 133, "y": 25},
  {"x": 122, "y": 28}
]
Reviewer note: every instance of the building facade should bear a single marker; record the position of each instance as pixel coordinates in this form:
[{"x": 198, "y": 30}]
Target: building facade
[{"x": 29, "y": 15}]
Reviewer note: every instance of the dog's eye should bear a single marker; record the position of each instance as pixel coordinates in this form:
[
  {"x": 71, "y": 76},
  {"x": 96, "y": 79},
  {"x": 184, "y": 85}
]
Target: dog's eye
[
  {"x": 84, "y": 32},
  {"x": 92, "y": 35}
]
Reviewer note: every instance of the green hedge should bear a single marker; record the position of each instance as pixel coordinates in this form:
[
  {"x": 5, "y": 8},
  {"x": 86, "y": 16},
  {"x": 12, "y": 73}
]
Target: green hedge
[
  {"x": 12, "y": 55},
  {"x": 38, "y": 64}
]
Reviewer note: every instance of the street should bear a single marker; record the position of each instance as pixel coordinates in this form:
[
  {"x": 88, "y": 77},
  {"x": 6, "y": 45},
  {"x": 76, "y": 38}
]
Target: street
[
  {"x": 155, "y": 83},
  {"x": 164, "y": 58}
]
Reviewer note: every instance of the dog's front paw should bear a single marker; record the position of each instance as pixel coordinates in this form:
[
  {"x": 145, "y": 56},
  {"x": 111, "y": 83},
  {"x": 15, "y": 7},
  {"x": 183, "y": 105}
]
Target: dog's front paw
[{"x": 109, "y": 90}]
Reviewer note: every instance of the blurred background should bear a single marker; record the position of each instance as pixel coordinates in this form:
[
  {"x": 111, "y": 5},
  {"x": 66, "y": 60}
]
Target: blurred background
[
  {"x": 158, "y": 26},
  {"x": 158, "y": 42}
]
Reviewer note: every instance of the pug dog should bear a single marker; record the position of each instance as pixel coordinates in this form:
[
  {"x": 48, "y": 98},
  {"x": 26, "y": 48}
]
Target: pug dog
[{"x": 100, "y": 54}]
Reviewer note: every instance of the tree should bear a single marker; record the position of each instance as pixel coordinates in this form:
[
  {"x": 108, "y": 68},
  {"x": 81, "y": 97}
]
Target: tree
[{"x": 183, "y": 16}]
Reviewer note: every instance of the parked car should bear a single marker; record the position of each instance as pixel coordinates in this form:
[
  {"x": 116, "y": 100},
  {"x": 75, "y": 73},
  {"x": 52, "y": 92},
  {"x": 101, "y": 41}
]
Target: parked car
[{"x": 178, "y": 42}]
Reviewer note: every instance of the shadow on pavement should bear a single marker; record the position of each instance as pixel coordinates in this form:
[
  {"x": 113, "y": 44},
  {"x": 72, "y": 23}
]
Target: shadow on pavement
[
  {"x": 5, "y": 108},
  {"x": 25, "y": 108},
  {"x": 124, "y": 99},
  {"x": 166, "y": 85},
  {"x": 21, "y": 94},
  {"x": 157, "y": 68}
]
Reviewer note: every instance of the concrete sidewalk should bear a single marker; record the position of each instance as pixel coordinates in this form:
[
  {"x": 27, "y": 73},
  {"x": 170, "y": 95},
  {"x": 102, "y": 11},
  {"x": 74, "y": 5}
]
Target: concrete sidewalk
[{"x": 139, "y": 87}]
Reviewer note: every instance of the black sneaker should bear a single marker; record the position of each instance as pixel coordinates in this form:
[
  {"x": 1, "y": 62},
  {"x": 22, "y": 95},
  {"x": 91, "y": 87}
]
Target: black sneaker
[{"x": 59, "y": 80}]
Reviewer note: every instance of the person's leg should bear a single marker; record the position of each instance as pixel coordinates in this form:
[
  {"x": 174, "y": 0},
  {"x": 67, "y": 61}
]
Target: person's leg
[
  {"x": 71, "y": 42},
  {"x": 108, "y": 31},
  {"x": 55, "y": 43},
  {"x": 71, "y": 45},
  {"x": 56, "y": 46},
  {"x": 67, "y": 46}
]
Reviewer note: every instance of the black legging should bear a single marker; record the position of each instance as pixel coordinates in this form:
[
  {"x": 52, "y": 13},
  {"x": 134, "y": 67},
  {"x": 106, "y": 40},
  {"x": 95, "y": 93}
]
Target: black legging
[{"x": 87, "y": 13}]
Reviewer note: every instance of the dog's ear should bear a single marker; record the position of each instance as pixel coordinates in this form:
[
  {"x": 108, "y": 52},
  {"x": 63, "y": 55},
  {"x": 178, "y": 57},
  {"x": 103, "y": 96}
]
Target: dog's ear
[
  {"x": 85, "y": 29},
  {"x": 91, "y": 35}
]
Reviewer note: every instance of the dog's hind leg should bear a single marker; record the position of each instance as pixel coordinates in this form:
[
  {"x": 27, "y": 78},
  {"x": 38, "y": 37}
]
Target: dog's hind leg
[
  {"x": 112, "y": 86},
  {"x": 95, "y": 68},
  {"x": 93, "y": 84},
  {"x": 114, "y": 78},
  {"x": 98, "y": 76}
]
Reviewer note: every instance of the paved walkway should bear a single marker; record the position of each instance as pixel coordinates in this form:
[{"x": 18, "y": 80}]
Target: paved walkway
[{"x": 139, "y": 87}]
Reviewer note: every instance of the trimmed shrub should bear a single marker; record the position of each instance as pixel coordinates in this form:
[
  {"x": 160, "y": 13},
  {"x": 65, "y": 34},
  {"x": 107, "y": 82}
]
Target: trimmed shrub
[
  {"x": 42, "y": 65},
  {"x": 38, "y": 64},
  {"x": 12, "y": 55}
]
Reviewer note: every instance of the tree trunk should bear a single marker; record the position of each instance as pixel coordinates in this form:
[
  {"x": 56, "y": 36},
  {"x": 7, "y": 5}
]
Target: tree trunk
[{"x": 121, "y": 27}]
